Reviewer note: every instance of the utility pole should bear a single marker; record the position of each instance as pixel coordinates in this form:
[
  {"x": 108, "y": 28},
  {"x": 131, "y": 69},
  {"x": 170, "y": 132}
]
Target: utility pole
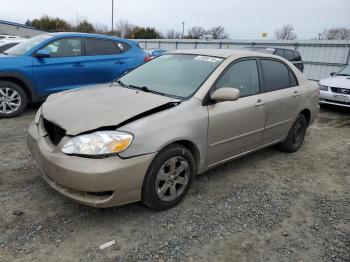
[
  {"x": 183, "y": 29},
  {"x": 112, "y": 16}
]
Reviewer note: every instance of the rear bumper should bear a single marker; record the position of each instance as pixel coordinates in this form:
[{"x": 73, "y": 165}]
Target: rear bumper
[{"x": 95, "y": 182}]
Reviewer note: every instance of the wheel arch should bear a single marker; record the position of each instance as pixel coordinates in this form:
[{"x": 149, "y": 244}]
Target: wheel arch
[
  {"x": 24, "y": 83},
  {"x": 192, "y": 147},
  {"x": 307, "y": 113}
]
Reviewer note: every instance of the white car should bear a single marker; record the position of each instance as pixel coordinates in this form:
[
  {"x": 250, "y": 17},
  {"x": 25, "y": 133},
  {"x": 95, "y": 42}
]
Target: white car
[
  {"x": 8, "y": 43},
  {"x": 6, "y": 37},
  {"x": 335, "y": 90}
]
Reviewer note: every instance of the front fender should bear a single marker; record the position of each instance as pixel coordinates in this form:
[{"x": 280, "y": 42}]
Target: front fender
[
  {"x": 27, "y": 83},
  {"x": 188, "y": 121}
]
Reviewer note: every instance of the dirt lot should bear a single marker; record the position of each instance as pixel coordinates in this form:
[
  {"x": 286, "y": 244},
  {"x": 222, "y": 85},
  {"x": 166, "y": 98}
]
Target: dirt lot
[{"x": 266, "y": 206}]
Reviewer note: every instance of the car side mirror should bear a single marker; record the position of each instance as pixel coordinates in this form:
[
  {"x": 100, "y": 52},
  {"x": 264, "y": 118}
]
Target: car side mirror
[
  {"x": 333, "y": 73},
  {"x": 42, "y": 53},
  {"x": 225, "y": 94}
]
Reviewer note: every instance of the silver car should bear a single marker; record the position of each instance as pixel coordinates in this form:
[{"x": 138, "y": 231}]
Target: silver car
[{"x": 145, "y": 136}]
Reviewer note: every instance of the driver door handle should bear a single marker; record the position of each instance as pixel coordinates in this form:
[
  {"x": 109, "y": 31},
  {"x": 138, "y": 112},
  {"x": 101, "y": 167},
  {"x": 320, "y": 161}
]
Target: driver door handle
[{"x": 259, "y": 103}]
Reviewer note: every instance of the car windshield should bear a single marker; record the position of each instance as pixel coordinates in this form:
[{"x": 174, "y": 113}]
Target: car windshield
[
  {"x": 25, "y": 46},
  {"x": 344, "y": 71},
  {"x": 177, "y": 75}
]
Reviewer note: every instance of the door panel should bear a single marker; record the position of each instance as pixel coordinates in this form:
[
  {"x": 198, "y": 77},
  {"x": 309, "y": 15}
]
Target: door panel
[
  {"x": 234, "y": 127},
  {"x": 281, "y": 109},
  {"x": 281, "y": 96},
  {"x": 64, "y": 69},
  {"x": 102, "y": 69}
]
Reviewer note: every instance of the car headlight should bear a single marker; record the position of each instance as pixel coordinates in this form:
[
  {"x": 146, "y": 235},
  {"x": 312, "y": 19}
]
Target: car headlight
[
  {"x": 98, "y": 143},
  {"x": 323, "y": 88}
]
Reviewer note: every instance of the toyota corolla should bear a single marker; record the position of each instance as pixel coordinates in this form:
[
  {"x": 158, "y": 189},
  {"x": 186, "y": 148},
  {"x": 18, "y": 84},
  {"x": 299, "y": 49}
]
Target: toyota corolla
[{"x": 144, "y": 136}]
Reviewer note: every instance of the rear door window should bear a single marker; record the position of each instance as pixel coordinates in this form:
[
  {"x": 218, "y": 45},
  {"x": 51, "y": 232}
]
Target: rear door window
[
  {"x": 276, "y": 75},
  {"x": 95, "y": 47}
]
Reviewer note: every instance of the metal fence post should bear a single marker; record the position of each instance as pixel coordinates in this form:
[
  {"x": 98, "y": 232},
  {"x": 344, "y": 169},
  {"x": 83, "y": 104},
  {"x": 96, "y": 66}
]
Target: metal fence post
[
  {"x": 195, "y": 45},
  {"x": 220, "y": 45},
  {"x": 146, "y": 45},
  {"x": 348, "y": 58},
  {"x": 175, "y": 44}
]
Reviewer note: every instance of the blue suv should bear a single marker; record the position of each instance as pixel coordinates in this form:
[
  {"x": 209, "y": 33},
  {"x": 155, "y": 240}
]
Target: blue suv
[{"x": 54, "y": 62}]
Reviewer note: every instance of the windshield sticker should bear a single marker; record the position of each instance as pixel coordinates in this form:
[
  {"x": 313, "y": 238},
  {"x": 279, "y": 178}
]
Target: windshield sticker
[{"x": 208, "y": 59}]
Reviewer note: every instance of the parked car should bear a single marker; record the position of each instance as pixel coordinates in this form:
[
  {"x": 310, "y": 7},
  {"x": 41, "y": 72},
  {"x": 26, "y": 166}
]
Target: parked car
[
  {"x": 7, "y": 44},
  {"x": 291, "y": 55},
  {"x": 156, "y": 52},
  {"x": 335, "y": 90},
  {"x": 3, "y": 37},
  {"x": 50, "y": 63},
  {"x": 146, "y": 135}
]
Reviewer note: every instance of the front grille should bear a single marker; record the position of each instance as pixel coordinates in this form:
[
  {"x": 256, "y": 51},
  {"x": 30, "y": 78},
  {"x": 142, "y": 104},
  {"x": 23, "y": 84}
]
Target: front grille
[
  {"x": 340, "y": 90},
  {"x": 55, "y": 132}
]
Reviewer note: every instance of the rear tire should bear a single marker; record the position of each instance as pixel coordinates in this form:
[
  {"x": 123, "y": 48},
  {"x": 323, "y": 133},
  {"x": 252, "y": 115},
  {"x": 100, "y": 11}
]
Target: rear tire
[
  {"x": 295, "y": 136},
  {"x": 13, "y": 99},
  {"x": 168, "y": 178}
]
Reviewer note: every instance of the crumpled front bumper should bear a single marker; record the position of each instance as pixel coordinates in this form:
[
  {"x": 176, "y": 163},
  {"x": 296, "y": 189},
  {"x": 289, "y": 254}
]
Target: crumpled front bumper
[{"x": 95, "y": 182}]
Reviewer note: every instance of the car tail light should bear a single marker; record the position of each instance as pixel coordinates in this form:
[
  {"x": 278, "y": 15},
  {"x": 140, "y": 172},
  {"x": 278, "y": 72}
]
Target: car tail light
[{"x": 147, "y": 58}]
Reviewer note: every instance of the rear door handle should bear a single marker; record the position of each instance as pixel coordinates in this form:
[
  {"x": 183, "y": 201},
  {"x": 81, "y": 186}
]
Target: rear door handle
[
  {"x": 259, "y": 103},
  {"x": 119, "y": 62},
  {"x": 296, "y": 94}
]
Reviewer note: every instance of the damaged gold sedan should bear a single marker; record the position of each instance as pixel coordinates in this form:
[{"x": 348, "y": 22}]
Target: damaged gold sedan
[{"x": 144, "y": 136}]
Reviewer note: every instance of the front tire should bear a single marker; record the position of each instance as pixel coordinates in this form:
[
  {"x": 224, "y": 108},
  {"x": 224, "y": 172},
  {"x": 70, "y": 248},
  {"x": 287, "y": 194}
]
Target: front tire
[
  {"x": 13, "y": 99},
  {"x": 168, "y": 178},
  {"x": 295, "y": 136}
]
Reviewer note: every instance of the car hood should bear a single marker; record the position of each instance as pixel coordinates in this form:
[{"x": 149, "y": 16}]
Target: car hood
[
  {"x": 336, "y": 81},
  {"x": 91, "y": 108}
]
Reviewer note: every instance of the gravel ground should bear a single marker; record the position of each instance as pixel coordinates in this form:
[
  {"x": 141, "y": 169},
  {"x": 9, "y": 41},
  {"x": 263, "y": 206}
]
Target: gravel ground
[{"x": 266, "y": 206}]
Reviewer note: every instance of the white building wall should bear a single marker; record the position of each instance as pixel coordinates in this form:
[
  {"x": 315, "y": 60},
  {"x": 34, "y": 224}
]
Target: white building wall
[{"x": 24, "y": 32}]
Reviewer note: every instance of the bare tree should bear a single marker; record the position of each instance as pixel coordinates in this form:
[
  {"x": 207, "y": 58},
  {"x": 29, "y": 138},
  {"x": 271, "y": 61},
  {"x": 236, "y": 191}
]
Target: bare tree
[
  {"x": 196, "y": 32},
  {"x": 340, "y": 33},
  {"x": 124, "y": 28},
  {"x": 172, "y": 34},
  {"x": 218, "y": 32},
  {"x": 101, "y": 28},
  {"x": 286, "y": 33}
]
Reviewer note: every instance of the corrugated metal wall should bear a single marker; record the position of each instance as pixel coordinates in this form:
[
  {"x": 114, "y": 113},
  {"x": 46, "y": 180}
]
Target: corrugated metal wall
[{"x": 320, "y": 57}]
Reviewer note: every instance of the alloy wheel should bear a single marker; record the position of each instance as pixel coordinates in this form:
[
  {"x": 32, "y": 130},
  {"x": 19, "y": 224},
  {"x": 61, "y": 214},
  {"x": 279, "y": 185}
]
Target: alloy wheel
[
  {"x": 10, "y": 100},
  {"x": 172, "y": 178}
]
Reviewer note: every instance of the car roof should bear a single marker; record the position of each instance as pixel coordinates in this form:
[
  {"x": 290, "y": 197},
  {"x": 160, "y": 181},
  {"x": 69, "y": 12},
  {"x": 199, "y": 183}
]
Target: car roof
[
  {"x": 58, "y": 34},
  {"x": 223, "y": 53}
]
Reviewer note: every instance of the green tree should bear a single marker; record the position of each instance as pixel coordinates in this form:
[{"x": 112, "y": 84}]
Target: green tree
[
  {"x": 50, "y": 24},
  {"x": 85, "y": 27},
  {"x": 28, "y": 23},
  {"x": 145, "y": 33}
]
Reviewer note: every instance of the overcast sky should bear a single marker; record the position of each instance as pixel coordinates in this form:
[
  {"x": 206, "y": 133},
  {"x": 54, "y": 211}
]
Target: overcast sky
[{"x": 242, "y": 19}]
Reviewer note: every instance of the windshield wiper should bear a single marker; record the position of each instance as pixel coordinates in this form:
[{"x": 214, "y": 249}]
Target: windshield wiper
[
  {"x": 342, "y": 74},
  {"x": 5, "y": 53},
  {"x": 147, "y": 90},
  {"x": 121, "y": 83}
]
